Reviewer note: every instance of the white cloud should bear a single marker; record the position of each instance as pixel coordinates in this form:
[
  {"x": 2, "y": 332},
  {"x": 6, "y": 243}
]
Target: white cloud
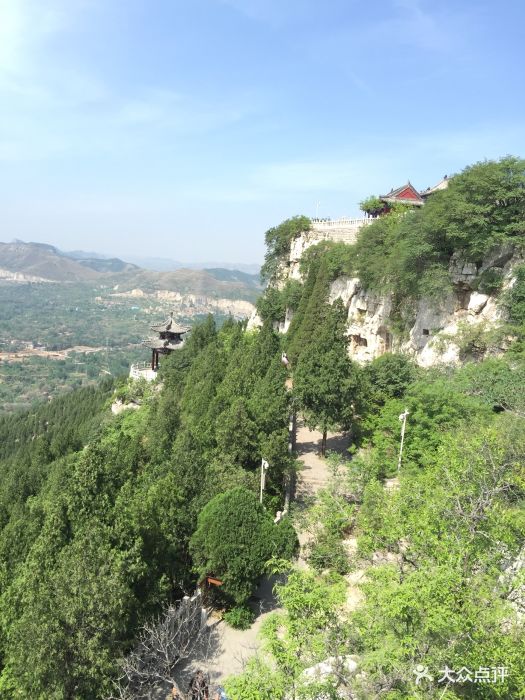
[
  {"x": 25, "y": 25},
  {"x": 375, "y": 167}
]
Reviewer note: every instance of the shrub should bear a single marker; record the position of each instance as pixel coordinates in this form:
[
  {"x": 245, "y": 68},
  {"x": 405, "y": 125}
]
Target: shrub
[
  {"x": 240, "y": 617},
  {"x": 372, "y": 205},
  {"x": 490, "y": 281},
  {"x": 515, "y": 298},
  {"x": 285, "y": 541},
  {"x": 271, "y": 305},
  {"x": 328, "y": 552},
  {"x": 278, "y": 240},
  {"x": 233, "y": 541}
]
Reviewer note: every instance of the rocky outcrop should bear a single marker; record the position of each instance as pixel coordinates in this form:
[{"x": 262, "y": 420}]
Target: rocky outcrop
[
  {"x": 440, "y": 324},
  {"x": 436, "y": 334},
  {"x": 9, "y": 276},
  {"x": 193, "y": 304},
  {"x": 340, "y": 230},
  {"x": 368, "y": 316}
]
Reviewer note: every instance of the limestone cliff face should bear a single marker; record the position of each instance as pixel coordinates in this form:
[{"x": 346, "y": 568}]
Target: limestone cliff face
[
  {"x": 439, "y": 324},
  {"x": 341, "y": 230}
]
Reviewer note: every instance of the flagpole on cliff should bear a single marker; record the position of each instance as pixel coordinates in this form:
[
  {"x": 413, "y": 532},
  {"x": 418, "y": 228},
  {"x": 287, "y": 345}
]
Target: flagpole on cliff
[
  {"x": 264, "y": 468},
  {"x": 403, "y": 418}
]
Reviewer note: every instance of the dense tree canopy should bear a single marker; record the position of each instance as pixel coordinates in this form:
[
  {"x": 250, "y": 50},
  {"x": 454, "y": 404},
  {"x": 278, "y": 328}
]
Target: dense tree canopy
[
  {"x": 105, "y": 520},
  {"x": 234, "y": 539},
  {"x": 97, "y": 511}
]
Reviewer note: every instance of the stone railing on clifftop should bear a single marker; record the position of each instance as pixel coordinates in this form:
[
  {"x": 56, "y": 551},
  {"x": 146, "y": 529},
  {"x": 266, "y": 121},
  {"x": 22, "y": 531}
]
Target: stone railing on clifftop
[
  {"x": 344, "y": 230},
  {"x": 142, "y": 370}
]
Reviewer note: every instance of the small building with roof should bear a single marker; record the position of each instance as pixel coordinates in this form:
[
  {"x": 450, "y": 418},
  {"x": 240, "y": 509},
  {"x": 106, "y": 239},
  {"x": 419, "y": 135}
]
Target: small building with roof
[
  {"x": 169, "y": 337},
  {"x": 406, "y": 194}
]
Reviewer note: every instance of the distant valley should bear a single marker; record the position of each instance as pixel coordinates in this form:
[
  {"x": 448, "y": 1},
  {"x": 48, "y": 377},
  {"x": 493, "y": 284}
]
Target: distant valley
[{"x": 65, "y": 319}]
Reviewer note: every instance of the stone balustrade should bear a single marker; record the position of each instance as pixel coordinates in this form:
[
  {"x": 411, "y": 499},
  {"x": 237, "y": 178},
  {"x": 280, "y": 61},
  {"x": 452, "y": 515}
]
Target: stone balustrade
[
  {"x": 142, "y": 370},
  {"x": 342, "y": 230}
]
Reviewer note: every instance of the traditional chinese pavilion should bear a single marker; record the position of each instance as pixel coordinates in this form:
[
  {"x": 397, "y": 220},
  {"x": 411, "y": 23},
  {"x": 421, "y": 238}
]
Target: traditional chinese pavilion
[
  {"x": 170, "y": 338},
  {"x": 406, "y": 194}
]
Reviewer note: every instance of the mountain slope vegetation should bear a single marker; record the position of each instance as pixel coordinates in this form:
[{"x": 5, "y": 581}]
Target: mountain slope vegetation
[
  {"x": 107, "y": 519},
  {"x": 98, "y": 511},
  {"x": 46, "y": 263}
]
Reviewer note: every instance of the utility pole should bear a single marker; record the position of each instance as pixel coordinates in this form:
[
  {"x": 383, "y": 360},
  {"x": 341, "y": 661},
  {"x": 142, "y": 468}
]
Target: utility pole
[
  {"x": 264, "y": 469},
  {"x": 403, "y": 418}
]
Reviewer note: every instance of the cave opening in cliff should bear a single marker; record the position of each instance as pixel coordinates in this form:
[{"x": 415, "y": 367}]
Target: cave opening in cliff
[{"x": 359, "y": 341}]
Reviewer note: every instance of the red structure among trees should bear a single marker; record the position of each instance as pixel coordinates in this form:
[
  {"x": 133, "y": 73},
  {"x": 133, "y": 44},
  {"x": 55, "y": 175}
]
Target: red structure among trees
[{"x": 406, "y": 194}]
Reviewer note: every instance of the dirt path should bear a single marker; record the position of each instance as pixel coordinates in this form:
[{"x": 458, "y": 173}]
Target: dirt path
[
  {"x": 224, "y": 651},
  {"x": 314, "y": 476}
]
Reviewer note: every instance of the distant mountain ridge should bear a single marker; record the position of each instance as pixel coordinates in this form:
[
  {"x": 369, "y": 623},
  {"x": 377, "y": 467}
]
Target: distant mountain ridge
[
  {"x": 167, "y": 265},
  {"x": 41, "y": 262},
  {"x": 157, "y": 264}
]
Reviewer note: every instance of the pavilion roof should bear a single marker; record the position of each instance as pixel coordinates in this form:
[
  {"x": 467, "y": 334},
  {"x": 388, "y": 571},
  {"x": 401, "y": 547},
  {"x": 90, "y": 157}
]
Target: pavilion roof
[
  {"x": 406, "y": 194},
  {"x": 169, "y": 325}
]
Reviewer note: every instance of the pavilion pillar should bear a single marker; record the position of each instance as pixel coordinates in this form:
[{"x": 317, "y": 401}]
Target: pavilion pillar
[{"x": 153, "y": 360}]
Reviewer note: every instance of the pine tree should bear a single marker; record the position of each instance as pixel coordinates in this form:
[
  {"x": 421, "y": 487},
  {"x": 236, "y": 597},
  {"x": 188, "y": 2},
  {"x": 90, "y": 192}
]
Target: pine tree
[{"x": 327, "y": 383}]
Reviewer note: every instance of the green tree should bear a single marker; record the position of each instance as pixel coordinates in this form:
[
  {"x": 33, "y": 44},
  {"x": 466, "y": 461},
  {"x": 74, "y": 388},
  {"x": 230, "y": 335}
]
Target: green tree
[
  {"x": 278, "y": 240},
  {"x": 452, "y": 529},
  {"x": 372, "y": 205},
  {"x": 233, "y": 541},
  {"x": 311, "y": 628},
  {"x": 389, "y": 376},
  {"x": 72, "y": 621},
  {"x": 515, "y": 298},
  {"x": 237, "y": 434},
  {"x": 327, "y": 383}
]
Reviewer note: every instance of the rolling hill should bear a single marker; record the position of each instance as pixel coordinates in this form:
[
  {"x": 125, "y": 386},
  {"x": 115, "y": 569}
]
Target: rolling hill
[{"x": 39, "y": 262}]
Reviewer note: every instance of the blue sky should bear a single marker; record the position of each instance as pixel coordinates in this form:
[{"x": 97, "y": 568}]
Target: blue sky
[{"x": 185, "y": 129}]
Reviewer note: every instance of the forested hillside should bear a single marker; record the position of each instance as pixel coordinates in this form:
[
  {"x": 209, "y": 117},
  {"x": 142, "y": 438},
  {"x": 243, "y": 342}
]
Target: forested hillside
[
  {"x": 435, "y": 541},
  {"x": 98, "y": 512},
  {"x": 108, "y": 519}
]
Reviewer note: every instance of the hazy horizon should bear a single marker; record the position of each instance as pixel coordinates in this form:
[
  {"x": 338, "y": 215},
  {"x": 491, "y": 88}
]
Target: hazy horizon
[
  {"x": 133, "y": 258},
  {"x": 185, "y": 130}
]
